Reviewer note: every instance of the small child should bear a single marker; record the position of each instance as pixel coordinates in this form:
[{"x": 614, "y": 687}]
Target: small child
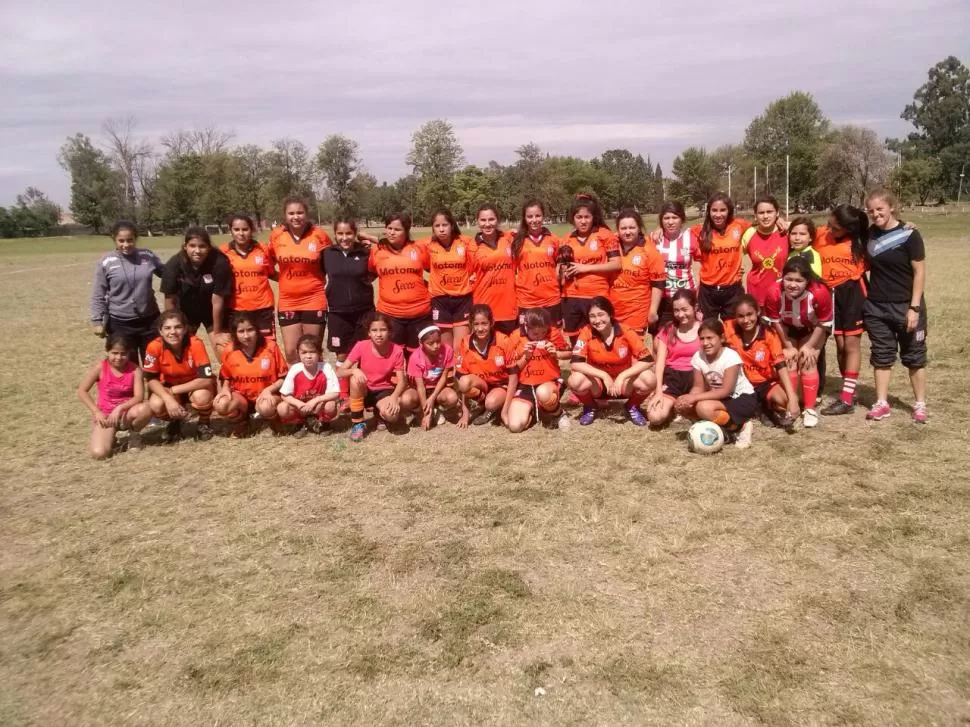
[
  {"x": 431, "y": 369},
  {"x": 721, "y": 392},
  {"x": 310, "y": 390},
  {"x": 121, "y": 394}
]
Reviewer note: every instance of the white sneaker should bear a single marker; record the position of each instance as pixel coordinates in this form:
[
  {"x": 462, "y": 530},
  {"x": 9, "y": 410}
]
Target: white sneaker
[
  {"x": 743, "y": 438},
  {"x": 809, "y": 418},
  {"x": 440, "y": 419},
  {"x": 563, "y": 421}
]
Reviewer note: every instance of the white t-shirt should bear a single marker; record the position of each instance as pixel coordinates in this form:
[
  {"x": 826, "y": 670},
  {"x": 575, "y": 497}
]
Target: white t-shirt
[
  {"x": 713, "y": 371},
  {"x": 307, "y": 385}
]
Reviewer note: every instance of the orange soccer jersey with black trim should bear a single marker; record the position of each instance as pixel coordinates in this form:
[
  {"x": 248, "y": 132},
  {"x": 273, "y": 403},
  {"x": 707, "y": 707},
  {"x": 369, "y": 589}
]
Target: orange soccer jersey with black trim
[
  {"x": 301, "y": 282},
  {"x": 599, "y": 247},
  {"x": 723, "y": 264},
  {"x": 491, "y": 365},
  {"x": 449, "y": 268},
  {"x": 626, "y": 348},
  {"x": 539, "y": 366},
  {"x": 495, "y": 276},
  {"x": 536, "y": 280},
  {"x": 836, "y": 256},
  {"x": 250, "y": 275},
  {"x": 249, "y": 376},
  {"x": 161, "y": 362},
  {"x": 642, "y": 269},
  {"x": 761, "y": 357},
  {"x": 402, "y": 291}
]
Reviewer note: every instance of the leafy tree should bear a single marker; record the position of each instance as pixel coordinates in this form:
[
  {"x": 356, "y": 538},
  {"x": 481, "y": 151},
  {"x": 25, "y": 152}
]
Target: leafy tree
[
  {"x": 852, "y": 161},
  {"x": 382, "y": 202},
  {"x": 527, "y": 175},
  {"x": 8, "y": 226},
  {"x": 918, "y": 179},
  {"x": 696, "y": 177},
  {"x": 360, "y": 190},
  {"x": 793, "y": 126},
  {"x": 338, "y": 158},
  {"x": 735, "y": 173},
  {"x": 659, "y": 193},
  {"x": 96, "y": 189},
  {"x": 941, "y": 107},
  {"x": 435, "y": 158},
  {"x": 253, "y": 166},
  {"x": 34, "y": 215},
  {"x": 179, "y": 191},
  {"x": 628, "y": 179},
  {"x": 290, "y": 170},
  {"x": 473, "y": 187},
  {"x": 406, "y": 197},
  {"x": 125, "y": 152}
]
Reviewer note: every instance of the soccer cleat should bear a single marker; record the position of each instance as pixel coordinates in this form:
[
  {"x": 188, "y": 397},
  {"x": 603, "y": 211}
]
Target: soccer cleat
[
  {"x": 484, "y": 417},
  {"x": 742, "y": 439},
  {"x": 838, "y": 408},
  {"x": 587, "y": 417},
  {"x": 357, "y": 431},
  {"x": 381, "y": 424},
  {"x": 204, "y": 432},
  {"x": 240, "y": 429},
  {"x": 810, "y": 418},
  {"x": 440, "y": 419},
  {"x": 879, "y": 411},
  {"x": 173, "y": 432},
  {"x": 301, "y": 431},
  {"x": 786, "y": 421},
  {"x": 134, "y": 442},
  {"x": 636, "y": 415},
  {"x": 563, "y": 421},
  {"x": 920, "y": 416}
]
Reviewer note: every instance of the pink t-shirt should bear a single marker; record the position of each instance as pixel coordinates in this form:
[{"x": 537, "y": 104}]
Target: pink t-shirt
[
  {"x": 419, "y": 367},
  {"x": 114, "y": 390},
  {"x": 679, "y": 353},
  {"x": 379, "y": 370}
]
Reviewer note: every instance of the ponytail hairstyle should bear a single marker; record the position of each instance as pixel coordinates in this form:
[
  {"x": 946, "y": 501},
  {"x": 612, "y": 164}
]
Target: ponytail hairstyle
[
  {"x": 243, "y": 316},
  {"x": 855, "y": 222},
  {"x": 628, "y": 213},
  {"x": 592, "y": 205},
  {"x": 405, "y": 219},
  {"x": 523, "y": 232},
  {"x": 706, "y": 238},
  {"x": 446, "y": 213}
]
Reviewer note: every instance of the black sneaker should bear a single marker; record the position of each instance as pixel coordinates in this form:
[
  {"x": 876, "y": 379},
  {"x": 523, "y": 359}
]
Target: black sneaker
[
  {"x": 485, "y": 417},
  {"x": 173, "y": 432},
  {"x": 301, "y": 431},
  {"x": 837, "y": 408},
  {"x": 204, "y": 432}
]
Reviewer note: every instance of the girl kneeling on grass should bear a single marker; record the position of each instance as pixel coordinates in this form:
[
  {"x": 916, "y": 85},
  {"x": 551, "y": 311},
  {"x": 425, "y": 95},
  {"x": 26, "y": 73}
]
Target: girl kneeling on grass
[
  {"x": 252, "y": 372},
  {"x": 482, "y": 365},
  {"x": 763, "y": 357},
  {"x": 179, "y": 375},
  {"x": 610, "y": 361},
  {"x": 800, "y": 309},
  {"x": 674, "y": 348},
  {"x": 431, "y": 370},
  {"x": 310, "y": 390},
  {"x": 377, "y": 376},
  {"x": 537, "y": 349},
  {"x": 721, "y": 392},
  {"x": 121, "y": 394}
]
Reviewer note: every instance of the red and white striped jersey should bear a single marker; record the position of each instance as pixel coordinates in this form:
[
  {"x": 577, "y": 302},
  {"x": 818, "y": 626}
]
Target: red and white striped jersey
[
  {"x": 812, "y": 308},
  {"x": 679, "y": 255}
]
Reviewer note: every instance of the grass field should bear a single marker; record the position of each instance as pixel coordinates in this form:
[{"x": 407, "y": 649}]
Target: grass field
[{"x": 595, "y": 576}]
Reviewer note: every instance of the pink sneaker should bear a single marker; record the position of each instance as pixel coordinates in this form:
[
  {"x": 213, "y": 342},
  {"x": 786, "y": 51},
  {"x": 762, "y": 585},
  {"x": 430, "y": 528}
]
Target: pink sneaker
[
  {"x": 879, "y": 411},
  {"x": 919, "y": 413}
]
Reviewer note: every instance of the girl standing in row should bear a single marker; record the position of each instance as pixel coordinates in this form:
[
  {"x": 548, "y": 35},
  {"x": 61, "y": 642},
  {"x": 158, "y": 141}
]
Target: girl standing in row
[
  {"x": 450, "y": 276},
  {"x": 719, "y": 241},
  {"x": 678, "y": 247},
  {"x": 637, "y": 290},
  {"x": 252, "y": 271},
  {"x": 492, "y": 262},
  {"x": 534, "y": 252},
  {"x": 767, "y": 247}
]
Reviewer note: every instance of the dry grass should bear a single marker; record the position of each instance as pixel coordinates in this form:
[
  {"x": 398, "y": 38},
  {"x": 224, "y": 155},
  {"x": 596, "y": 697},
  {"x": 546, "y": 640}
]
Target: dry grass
[{"x": 441, "y": 578}]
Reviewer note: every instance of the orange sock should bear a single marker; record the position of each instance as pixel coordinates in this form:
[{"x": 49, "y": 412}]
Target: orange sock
[
  {"x": 722, "y": 418},
  {"x": 356, "y": 409}
]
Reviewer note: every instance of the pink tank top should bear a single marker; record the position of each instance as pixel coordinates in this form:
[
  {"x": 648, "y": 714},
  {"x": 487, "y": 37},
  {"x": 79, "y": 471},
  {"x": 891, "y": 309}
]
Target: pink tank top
[
  {"x": 113, "y": 390},
  {"x": 679, "y": 353}
]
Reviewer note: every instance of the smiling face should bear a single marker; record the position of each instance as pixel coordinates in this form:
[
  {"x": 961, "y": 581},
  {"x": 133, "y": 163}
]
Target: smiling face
[
  {"x": 247, "y": 335},
  {"x": 599, "y": 320},
  {"x": 309, "y": 356},
  {"x": 481, "y": 327},
  {"x": 487, "y": 223},
  {"x": 799, "y": 237},
  {"x": 684, "y": 313},
  {"x": 881, "y": 212},
  {"x": 767, "y": 216},
  {"x": 295, "y": 215},
  {"x": 441, "y": 228},
  {"x": 746, "y": 317},
  {"x": 395, "y": 234},
  {"x": 197, "y": 250},
  {"x": 628, "y": 230},
  {"x": 172, "y": 332},
  {"x": 534, "y": 218},
  {"x": 672, "y": 224},
  {"x": 719, "y": 214},
  {"x": 711, "y": 343},
  {"x": 125, "y": 241},
  {"x": 583, "y": 220},
  {"x": 242, "y": 233},
  {"x": 345, "y": 236},
  {"x": 794, "y": 284},
  {"x": 378, "y": 333},
  {"x": 117, "y": 355}
]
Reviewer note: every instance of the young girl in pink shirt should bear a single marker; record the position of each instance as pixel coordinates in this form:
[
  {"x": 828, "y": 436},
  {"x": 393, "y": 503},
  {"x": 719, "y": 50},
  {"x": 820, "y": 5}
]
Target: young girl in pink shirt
[
  {"x": 431, "y": 370},
  {"x": 673, "y": 348}
]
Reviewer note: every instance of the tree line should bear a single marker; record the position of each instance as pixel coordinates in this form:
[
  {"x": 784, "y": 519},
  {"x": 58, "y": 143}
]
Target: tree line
[{"x": 201, "y": 176}]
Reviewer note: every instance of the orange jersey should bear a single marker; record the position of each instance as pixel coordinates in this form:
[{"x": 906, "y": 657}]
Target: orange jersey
[
  {"x": 536, "y": 280},
  {"x": 723, "y": 264},
  {"x": 250, "y": 275},
  {"x": 642, "y": 269},
  {"x": 492, "y": 365},
  {"x": 626, "y": 349},
  {"x": 600, "y": 247},
  {"x": 836, "y": 255},
  {"x": 301, "y": 275},
  {"x": 161, "y": 362},
  {"x": 449, "y": 269},
  {"x": 495, "y": 276},
  {"x": 761, "y": 357},
  {"x": 249, "y": 376},
  {"x": 539, "y": 367},
  {"x": 402, "y": 291}
]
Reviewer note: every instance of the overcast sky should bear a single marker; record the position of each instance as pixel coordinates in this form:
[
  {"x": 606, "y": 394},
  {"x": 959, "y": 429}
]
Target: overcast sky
[{"x": 575, "y": 77}]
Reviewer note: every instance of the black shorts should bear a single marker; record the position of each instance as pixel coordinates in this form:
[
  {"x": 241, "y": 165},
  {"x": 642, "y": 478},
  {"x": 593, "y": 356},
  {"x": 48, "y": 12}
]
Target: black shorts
[
  {"x": 797, "y": 333},
  {"x": 372, "y": 397},
  {"x": 763, "y": 390},
  {"x": 527, "y": 392},
  {"x": 575, "y": 314},
  {"x": 448, "y": 311},
  {"x": 554, "y": 311},
  {"x": 718, "y": 300},
  {"x": 506, "y": 327},
  {"x": 344, "y": 330},
  {"x": 677, "y": 383},
  {"x": 139, "y": 332},
  {"x": 886, "y": 326},
  {"x": 303, "y": 317},
  {"x": 741, "y": 408},
  {"x": 404, "y": 331},
  {"x": 849, "y": 298},
  {"x": 262, "y": 317}
]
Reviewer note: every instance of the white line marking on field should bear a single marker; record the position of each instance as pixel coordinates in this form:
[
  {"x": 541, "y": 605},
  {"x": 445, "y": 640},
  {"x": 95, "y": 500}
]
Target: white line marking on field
[{"x": 42, "y": 267}]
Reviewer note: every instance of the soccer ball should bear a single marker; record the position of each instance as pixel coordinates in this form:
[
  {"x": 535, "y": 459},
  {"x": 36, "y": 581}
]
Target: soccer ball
[{"x": 705, "y": 438}]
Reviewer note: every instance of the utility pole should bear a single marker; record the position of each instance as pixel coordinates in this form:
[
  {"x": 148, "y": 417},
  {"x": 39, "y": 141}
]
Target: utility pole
[
  {"x": 787, "y": 170},
  {"x": 756, "y": 181},
  {"x": 963, "y": 171}
]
